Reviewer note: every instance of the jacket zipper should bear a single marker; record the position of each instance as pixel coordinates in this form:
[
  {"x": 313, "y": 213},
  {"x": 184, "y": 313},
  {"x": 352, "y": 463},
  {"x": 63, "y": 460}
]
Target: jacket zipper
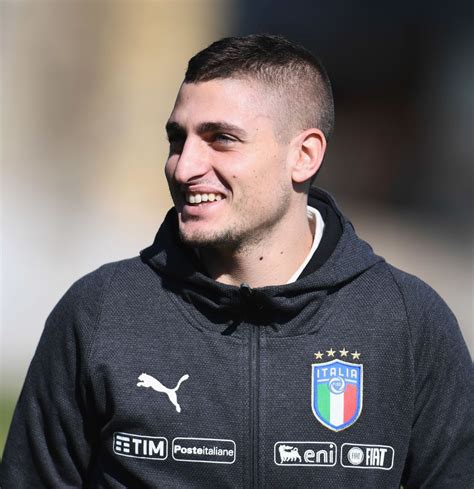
[
  {"x": 254, "y": 375},
  {"x": 254, "y": 391}
]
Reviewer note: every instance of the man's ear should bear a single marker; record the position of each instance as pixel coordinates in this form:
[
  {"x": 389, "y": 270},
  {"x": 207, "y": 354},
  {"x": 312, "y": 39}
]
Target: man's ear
[{"x": 309, "y": 147}]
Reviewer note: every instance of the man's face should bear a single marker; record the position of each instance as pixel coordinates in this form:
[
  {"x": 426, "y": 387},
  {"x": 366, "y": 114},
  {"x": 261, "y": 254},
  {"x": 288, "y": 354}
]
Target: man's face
[{"x": 227, "y": 171}]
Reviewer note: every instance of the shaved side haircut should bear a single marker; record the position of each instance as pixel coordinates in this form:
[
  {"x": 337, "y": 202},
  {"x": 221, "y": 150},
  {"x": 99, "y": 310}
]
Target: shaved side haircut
[{"x": 296, "y": 76}]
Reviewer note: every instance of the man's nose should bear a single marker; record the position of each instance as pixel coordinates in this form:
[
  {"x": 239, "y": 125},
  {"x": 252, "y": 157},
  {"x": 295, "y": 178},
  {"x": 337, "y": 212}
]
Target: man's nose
[{"x": 193, "y": 162}]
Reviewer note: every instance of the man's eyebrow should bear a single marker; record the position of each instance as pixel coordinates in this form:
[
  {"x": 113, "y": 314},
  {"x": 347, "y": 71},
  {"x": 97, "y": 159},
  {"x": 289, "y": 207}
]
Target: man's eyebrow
[
  {"x": 206, "y": 127},
  {"x": 220, "y": 126},
  {"x": 174, "y": 127}
]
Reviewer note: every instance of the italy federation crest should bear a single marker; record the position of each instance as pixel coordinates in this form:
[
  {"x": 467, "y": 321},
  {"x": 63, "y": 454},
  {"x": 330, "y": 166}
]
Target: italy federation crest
[{"x": 336, "y": 394}]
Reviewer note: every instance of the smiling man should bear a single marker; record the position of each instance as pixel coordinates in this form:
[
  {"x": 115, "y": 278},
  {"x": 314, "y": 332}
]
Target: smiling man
[
  {"x": 240, "y": 179},
  {"x": 258, "y": 342}
]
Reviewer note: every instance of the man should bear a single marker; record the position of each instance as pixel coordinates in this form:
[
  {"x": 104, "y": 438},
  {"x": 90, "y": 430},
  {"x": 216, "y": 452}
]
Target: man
[{"x": 258, "y": 342}]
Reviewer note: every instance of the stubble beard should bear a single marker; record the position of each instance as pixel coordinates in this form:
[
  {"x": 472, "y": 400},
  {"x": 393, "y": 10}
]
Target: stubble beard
[{"x": 225, "y": 240}]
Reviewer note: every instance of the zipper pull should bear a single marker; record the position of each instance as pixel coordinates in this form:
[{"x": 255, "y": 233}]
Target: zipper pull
[
  {"x": 245, "y": 290},
  {"x": 252, "y": 299}
]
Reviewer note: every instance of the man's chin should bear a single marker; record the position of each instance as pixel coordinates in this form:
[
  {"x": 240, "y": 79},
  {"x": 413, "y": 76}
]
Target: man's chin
[{"x": 223, "y": 240}]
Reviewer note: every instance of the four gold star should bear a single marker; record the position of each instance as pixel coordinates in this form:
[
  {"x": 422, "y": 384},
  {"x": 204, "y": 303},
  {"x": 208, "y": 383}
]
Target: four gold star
[{"x": 342, "y": 353}]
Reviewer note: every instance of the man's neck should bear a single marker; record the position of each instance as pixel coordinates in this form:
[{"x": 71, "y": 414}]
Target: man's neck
[{"x": 270, "y": 261}]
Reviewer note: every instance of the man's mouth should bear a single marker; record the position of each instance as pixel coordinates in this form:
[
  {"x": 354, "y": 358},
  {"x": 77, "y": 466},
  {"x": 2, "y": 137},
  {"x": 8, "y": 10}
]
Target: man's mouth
[{"x": 199, "y": 198}]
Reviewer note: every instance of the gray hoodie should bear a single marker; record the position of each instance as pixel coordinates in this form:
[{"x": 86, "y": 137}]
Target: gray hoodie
[{"x": 150, "y": 374}]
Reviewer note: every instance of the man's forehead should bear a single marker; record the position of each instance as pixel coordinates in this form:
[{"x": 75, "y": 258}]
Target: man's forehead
[
  {"x": 222, "y": 86},
  {"x": 236, "y": 102},
  {"x": 224, "y": 96}
]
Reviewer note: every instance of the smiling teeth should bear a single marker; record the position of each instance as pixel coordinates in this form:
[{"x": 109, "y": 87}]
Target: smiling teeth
[{"x": 198, "y": 198}]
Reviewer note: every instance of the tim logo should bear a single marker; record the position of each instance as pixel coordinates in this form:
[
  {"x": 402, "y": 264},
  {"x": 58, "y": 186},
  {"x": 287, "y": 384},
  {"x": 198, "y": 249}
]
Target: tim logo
[
  {"x": 317, "y": 454},
  {"x": 138, "y": 446}
]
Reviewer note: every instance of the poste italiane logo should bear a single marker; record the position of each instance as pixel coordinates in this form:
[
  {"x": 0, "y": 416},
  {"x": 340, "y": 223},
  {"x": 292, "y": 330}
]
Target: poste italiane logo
[{"x": 336, "y": 389}]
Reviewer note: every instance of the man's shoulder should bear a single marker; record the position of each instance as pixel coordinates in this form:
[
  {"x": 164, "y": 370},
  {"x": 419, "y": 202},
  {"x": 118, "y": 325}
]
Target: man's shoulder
[
  {"x": 83, "y": 303},
  {"x": 114, "y": 276},
  {"x": 104, "y": 274},
  {"x": 428, "y": 315},
  {"x": 416, "y": 293}
]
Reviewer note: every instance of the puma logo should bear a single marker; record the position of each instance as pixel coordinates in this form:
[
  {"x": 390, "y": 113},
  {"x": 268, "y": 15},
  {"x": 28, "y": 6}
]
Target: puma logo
[{"x": 149, "y": 381}]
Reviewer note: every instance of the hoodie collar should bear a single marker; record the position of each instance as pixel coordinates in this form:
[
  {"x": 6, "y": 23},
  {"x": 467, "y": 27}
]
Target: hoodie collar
[{"x": 340, "y": 258}]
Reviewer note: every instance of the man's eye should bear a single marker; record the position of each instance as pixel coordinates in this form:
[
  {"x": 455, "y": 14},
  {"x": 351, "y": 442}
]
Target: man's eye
[{"x": 224, "y": 138}]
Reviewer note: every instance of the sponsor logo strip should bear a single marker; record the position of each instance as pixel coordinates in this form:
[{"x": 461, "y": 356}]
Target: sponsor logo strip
[
  {"x": 367, "y": 456},
  {"x": 209, "y": 450},
  {"x": 306, "y": 453},
  {"x": 138, "y": 446}
]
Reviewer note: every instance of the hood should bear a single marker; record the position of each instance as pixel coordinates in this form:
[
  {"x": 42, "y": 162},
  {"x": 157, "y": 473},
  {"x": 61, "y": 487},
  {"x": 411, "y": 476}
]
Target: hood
[{"x": 340, "y": 258}]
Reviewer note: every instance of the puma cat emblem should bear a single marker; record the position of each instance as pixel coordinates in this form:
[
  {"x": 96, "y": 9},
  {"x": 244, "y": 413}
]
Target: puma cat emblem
[{"x": 149, "y": 381}]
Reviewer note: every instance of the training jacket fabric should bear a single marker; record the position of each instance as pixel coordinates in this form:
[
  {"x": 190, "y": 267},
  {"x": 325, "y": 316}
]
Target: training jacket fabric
[{"x": 151, "y": 375}]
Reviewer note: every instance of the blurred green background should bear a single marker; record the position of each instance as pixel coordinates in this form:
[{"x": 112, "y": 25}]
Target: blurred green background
[{"x": 7, "y": 404}]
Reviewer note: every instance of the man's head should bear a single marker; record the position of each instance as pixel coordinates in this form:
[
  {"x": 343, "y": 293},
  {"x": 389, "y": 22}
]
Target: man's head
[
  {"x": 298, "y": 81},
  {"x": 247, "y": 135}
]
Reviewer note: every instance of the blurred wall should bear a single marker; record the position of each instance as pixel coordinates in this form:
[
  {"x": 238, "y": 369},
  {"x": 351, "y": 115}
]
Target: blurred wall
[
  {"x": 86, "y": 90},
  {"x": 403, "y": 79}
]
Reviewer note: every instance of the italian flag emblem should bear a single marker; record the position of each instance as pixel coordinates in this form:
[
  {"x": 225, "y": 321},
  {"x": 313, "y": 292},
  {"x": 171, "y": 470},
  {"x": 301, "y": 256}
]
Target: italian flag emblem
[{"x": 336, "y": 397}]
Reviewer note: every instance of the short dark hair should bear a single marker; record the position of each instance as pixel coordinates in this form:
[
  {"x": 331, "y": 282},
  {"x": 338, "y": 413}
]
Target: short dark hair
[{"x": 277, "y": 62}]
